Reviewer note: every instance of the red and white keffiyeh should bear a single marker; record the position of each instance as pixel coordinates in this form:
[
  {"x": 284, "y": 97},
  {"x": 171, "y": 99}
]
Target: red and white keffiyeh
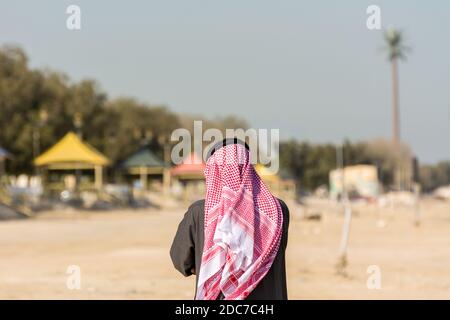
[{"x": 243, "y": 226}]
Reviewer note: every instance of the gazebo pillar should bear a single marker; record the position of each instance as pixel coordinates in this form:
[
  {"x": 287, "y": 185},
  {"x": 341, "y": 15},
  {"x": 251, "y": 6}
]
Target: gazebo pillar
[
  {"x": 143, "y": 176},
  {"x": 166, "y": 181},
  {"x": 98, "y": 177}
]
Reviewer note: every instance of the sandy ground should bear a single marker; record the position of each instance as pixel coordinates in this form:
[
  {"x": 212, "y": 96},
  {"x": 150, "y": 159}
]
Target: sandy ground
[{"x": 125, "y": 254}]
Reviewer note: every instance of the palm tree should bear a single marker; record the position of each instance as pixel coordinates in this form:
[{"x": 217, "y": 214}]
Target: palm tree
[{"x": 396, "y": 50}]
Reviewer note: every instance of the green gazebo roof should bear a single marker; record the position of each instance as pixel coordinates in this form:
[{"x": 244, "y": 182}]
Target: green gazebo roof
[{"x": 144, "y": 157}]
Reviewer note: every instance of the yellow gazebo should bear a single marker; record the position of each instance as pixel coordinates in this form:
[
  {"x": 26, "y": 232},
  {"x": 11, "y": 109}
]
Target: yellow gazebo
[
  {"x": 70, "y": 153},
  {"x": 283, "y": 187}
]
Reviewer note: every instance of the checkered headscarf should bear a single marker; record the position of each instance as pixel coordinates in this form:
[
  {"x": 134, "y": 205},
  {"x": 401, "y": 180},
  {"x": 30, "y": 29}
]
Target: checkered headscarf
[{"x": 243, "y": 226}]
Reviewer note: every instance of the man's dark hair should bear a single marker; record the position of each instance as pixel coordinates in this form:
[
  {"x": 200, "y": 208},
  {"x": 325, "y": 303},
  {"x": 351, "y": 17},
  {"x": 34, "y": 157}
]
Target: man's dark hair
[{"x": 224, "y": 143}]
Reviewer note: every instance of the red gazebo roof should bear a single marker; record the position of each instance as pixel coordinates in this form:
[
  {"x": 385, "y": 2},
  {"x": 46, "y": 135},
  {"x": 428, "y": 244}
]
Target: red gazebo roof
[{"x": 192, "y": 166}]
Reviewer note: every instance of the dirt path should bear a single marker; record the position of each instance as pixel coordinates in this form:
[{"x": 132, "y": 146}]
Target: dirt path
[{"x": 125, "y": 255}]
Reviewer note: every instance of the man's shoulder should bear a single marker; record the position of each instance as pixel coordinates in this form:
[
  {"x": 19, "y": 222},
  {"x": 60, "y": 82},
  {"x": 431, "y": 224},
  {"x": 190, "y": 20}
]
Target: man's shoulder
[
  {"x": 196, "y": 211},
  {"x": 285, "y": 211},
  {"x": 197, "y": 208},
  {"x": 283, "y": 205},
  {"x": 199, "y": 204}
]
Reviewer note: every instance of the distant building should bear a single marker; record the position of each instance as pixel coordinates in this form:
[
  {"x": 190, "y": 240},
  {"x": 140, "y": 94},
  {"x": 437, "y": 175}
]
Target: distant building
[
  {"x": 359, "y": 181},
  {"x": 188, "y": 179}
]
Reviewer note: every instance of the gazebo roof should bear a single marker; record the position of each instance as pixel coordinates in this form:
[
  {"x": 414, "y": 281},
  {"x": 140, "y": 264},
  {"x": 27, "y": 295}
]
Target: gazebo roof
[
  {"x": 192, "y": 166},
  {"x": 144, "y": 157},
  {"x": 266, "y": 174},
  {"x": 70, "y": 152}
]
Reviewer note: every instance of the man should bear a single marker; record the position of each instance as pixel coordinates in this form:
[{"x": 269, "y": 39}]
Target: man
[{"x": 235, "y": 239}]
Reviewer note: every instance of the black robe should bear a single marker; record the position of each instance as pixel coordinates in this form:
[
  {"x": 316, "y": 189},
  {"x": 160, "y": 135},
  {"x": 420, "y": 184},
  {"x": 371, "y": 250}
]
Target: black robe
[{"x": 187, "y": 248}]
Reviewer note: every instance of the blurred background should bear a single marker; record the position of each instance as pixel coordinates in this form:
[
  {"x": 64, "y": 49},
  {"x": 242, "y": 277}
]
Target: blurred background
[{"x": 86, "y": 115}]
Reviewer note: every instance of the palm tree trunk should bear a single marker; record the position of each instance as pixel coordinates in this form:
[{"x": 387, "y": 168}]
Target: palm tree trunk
[
  {"x": 395, "y": 104},
  {"x": 396, "y": 124}
]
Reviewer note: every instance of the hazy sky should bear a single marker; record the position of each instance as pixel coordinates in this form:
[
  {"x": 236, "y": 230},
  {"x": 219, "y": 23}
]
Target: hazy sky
[{"x": 310, "y": 68}]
